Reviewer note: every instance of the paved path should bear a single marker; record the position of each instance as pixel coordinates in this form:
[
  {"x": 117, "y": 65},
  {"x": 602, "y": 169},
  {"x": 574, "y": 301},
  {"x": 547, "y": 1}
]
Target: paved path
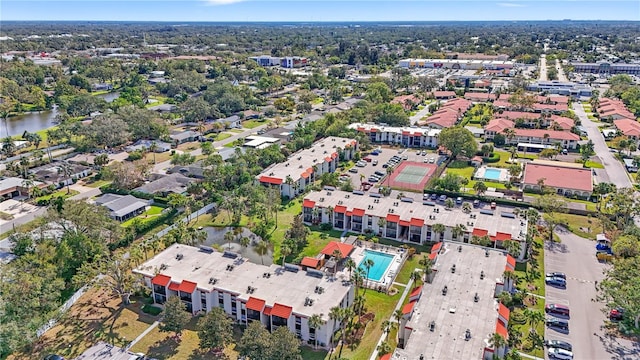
[
  {"x": 419, "y": 115},
  {"x": 561, "y": 75},
  {"x": 614, "y": 169},
  {"x": 527, "y": 356},
  {"x": 374, "y": 356},
  {"x": 151, "y": 327}
]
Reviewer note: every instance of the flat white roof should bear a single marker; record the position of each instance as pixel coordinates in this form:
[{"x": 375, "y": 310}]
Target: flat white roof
[
  {"x": 282, "y": 287},
  {"x": 448, "y": 339},
  {"x": 380, "y": 207},
  {"x": 395, "y": 129},
  {"x": 255, "y": 141},
  {"x": 301, "y": 160}
]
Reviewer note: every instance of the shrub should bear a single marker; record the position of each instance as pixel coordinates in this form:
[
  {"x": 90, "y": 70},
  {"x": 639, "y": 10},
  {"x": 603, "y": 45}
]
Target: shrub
[
  {"x": 151, "y": 310},
  {"x": 325, "y": 226},
  {"x": 494, "y": 158}
]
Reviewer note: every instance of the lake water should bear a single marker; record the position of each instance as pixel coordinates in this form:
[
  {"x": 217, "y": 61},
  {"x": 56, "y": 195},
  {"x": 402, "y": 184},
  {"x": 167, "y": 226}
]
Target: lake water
[{"x": 36, "y": 121}]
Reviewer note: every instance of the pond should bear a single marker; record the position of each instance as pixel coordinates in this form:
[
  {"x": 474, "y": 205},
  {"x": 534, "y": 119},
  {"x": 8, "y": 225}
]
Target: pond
[
  {"x": 36, "y": 121},
  {"x": 216, "y": 236}
]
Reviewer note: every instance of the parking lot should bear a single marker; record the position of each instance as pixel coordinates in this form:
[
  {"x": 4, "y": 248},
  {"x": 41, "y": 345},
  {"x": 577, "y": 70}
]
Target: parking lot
[
  {"x": 575, "y": 257},
  {"x": 383, "y": 157}
]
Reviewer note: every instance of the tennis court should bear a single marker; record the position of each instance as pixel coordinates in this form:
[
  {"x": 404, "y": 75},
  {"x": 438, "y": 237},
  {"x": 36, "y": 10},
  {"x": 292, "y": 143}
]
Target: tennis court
[{"x": 412, "y": 175}]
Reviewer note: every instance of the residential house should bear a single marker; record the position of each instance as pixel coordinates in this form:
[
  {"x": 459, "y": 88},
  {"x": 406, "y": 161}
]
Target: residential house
[
  {"x": 194, "y": 170},
  {"x": 303, "y": 167},
  {"x": 568, "y": 140},
  {"x": 163, "y": 185},
  {"x": 479, "y": 96},
  {"x": 275, "y": 296},
  {"x": 123, "y": 207},
  {"x": 164, "y": 108},
  {"x": 408, "y": 102},
  {"x": 146, "y": 145},
  {"x": 443, "y": 95},
  {"x": 613, "y": 109},
  {"x": 11, "y": 187},
  {"x": 448, "y": 114},
  {"x": 184, "y": 136},
  {"x": 60, "y": 174},
  {"x": 628, "y": 127},
  {"x": 564, "y": 179}
]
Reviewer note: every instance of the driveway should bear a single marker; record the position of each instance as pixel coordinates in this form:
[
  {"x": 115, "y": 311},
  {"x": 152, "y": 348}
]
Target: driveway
[
  {"x": 419, "y": 115},
  {"x": 614, "y": 169},
  {"x": 575, "y": 256},
  {"x": 542, "y": 69}
]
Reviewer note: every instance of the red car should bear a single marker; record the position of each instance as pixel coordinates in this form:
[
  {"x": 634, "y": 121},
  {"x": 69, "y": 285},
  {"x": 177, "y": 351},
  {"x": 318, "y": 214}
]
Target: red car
[{"x": 616, "y": 314}]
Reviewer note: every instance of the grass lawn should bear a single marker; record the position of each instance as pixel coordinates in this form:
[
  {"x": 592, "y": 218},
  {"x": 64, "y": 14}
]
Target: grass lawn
[
  {"x": 309, "y": 354},
  {"x": 60, "y": 193},
  {"x": 466, "y": 172},
  {"x": 593, "y": 165},
  {"x": 159, "y": 157},
  {"x": 237, "y": 131},
  {"x": 96, "y": 316},
  {"x": 219, "y": 136},
  {"x": 253, "y": 123},
  {"x": 151, "y": 213},
  {"x": 382, "y": 305},
  {"x": 575, "y": 223},
  {"x": 189, "y": 146},
  {"x": 98, "y": 183},
  {"x": 408, "y": 268},
  {"x": 158, "y": 101},
  {"x": 317, "y": 100}
]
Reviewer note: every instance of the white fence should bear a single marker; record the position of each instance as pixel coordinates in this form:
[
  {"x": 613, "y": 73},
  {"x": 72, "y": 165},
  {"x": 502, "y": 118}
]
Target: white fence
[
  {"x": 191, "y": 216},
  {"x": 72, "y": 300}
]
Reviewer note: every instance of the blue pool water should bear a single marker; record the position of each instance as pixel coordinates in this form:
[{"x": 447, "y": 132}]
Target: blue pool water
[
  {"x": 493, "y": 174},
  {"x": 381, "y": 262}
]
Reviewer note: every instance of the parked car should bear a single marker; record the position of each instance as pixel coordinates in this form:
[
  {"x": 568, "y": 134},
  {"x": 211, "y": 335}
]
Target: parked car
[
  {"x": 459, "y": 200},
  {"x": 476, "y": 203},
  {"x": 554, "y": 322},
  {"x": 379, "y": 173},
  {"x": 557, "y": 274},
  {"x": 558, "y": 344},
  {"x": 353, "y": 170},
  {"x": 493, "y": 205},
  {"x": 557, "y": 309},
  {"x": 442, "y": 197},
  {"x": 384, "y": 166},
  {"x": 425, "y": 196},
  {"x": 555, "y": 281},
  {"x": 432, "y": 160},
  {"x": 424, "y": 152},
  {"x": 361, "y": 164},
  {"x": 367, "y": 159},
  {"x": 561, "y": 354},
  {"x": 53, "y": 357},
  {"x": 373, "y": 179},
  {"x": 374, "y": 162},
  {"x": 616, "y": 314},
  {"x": 434, "y": 196}
]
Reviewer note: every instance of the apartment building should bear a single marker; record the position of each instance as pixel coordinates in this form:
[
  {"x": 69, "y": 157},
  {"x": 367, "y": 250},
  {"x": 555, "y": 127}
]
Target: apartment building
[
  {"x": 305, "y": 166},
  {"x": 405, "y": 136},
  {"x": 409, "y": 219},
  {"x": 273, "y": 295}
]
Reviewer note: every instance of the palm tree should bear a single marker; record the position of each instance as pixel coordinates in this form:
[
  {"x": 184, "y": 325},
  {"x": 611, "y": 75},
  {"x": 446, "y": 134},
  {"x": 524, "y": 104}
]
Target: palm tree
[
  {"x": 368, "y": 264},
  {"x": 337, "y": 254},
  {"x": 533, "y": 317},
  {"x": 358, "y": 278},
  {"x": 387, "y": 325},
  {"x": 382, "y": 222},
  {"x": 228, "y": 237},
  {"x": 466, "y": 207},
  {"x": 509, "y": 134},
  {"x": 153, "y": 147},
  {"x": 416, "y": 276},
  {"x": 509, "y": 277},
  {"x": 384, "y": 348},
  {"x": 244, "y": 242},
  {"x": 497, "y": 341},
  {"x": 284, "y": 252},
  {"x": 480, "y": 187},
  {"x": 336, "y": 314},
  {"x": 261, "y": 249},
  {"x": 389, "y": 171},
  {"x": 64, "y": 168},
  {"x": 397, "y": 315},
  {"x": 438, "y": 229},
  {"x": 315, "y": 322},
  {"x": 358, "y": 304},
  {"x": 350, "y": 265},
  {"x": 28, "y": 183},
  {"x": 427, "y": 266},
  {"x": 24, "y": 161},
  {"x": 459, "y": 230},
  {"x": 347, "y": 315}
]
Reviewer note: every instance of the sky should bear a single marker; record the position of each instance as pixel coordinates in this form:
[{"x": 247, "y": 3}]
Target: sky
[{"x": 313, "y": 10}]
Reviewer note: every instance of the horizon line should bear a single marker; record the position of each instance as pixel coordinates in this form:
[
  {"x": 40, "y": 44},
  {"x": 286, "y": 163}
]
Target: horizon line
[{"x": 323, "y": 21}]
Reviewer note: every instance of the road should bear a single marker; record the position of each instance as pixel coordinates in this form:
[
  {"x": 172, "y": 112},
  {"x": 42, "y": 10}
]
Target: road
[
  {"x": 161, "y": 167},
  {"x": 575, "y": 256},
  {"x": 542, "y": 73},
  {"x": 614, "y": 171},
  {"x": 561, "y": 75}
]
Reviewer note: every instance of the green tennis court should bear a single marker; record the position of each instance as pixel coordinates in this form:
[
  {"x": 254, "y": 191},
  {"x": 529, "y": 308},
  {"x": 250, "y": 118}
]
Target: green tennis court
[{"x": 412, "y": 174}]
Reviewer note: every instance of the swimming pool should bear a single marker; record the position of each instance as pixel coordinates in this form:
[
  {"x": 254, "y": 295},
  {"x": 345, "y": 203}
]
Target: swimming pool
[
  {"x": 381, "y": 262},
  {"x": 493, "y": 174}
]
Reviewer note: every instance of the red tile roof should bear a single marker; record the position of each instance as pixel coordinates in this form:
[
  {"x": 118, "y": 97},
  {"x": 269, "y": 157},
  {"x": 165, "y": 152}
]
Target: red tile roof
[
  {"x": 404, "y": 223},
  {"x": 161, "y": 280},
  {"x": 558, "y": 177},
  {"x": 340, "y": 209},
  {"x": 408, "y": 308},
  {"x": 517, "y": 115},
  {"x": 255, "y": 304},
  {"x": 174, "y": 286},
  {"x": 187, "y": 287},
  {"x": 417, "y": 222},
  {"x": 358, "y": 212},
  {"x": 479, "y": 232},
  {"x": 628, "y": 127},
  {"x": 310, "y": 262},
  {"x": 433, "y": 256},
  {"x": 553, "y": 107},
  {"x": 511, "y": 261},
  {"x": 554, "y": 135},
  {"x": 393, "y": 218},
  {"x": 267, "y": 311},
  {"x": 416, "y": 291},
  {"x": 436, "y": 247},
  {"x": 564, "y": 122},
  {"x": 308, "y": 203},
  {"x": 270, "y": 180},
  {"x": 498, "y": 125},
  {"x": 503, "y": 311},
  {"x": 500, "y": 236},
  {"x": 442, "y": 94},
  {"x": 386, "y": 357},
  {"x": 479, "y": 96},
  {"x": 345, "y": 249},
  {"x": 304, "y": 175},
  {"x": 501, "y": 329},
  {"x": 282, "y": 311}
]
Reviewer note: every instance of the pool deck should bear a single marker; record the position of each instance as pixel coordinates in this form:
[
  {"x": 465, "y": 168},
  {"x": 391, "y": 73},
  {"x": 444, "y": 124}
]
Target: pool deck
[
  {"x": 481, "y": 174},
  {"x": 392, "y": 270}
]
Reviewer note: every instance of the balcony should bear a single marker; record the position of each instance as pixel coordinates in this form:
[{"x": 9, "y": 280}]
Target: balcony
[{"x": 160, "y": 290}]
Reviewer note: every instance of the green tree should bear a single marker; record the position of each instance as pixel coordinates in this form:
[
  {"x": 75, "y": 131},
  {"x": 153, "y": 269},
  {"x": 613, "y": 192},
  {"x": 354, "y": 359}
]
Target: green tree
[
  {"x": 626, "y": 246},
  {"x": 215, "y": 330},
  {"x": 315, "y": 323},
  {"x": 551, "y": 206},
  {"x": 112, "y": 273},
  {"x": 174, "y": 316},
  {"x": 621, "y": 287},
  {"x": 284, "y": 345},
  {"x": 255, "y": 341},
  {"x": 261, "y": 248},
  {"x": 459, "y": 141},
  {"x": 587, "y": 151}
]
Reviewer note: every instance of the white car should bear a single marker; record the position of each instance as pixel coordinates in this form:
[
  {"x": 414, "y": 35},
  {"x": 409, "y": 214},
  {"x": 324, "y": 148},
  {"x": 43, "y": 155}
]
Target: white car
[{"x": 562, "y": 354}]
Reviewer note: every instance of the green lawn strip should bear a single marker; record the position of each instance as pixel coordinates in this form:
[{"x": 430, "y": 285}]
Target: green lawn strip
[
  {"x": 219, "y": 136},
  {"x": 237, "y": 131},
  {"x": 466, "y": 172},
  {"x": 60, "y": 193},
  {"x": 308, "y": 353},
  {"x": 98, "y": 183},
  {"x": 594, "y": 165},
  {"x": 149, "y": 214},
  {"x": 382, "y": 305},
  {"x": 574, "y": 223},
  {"x": 253, "y": 123},
  {"x": 407, "y": 269}
]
